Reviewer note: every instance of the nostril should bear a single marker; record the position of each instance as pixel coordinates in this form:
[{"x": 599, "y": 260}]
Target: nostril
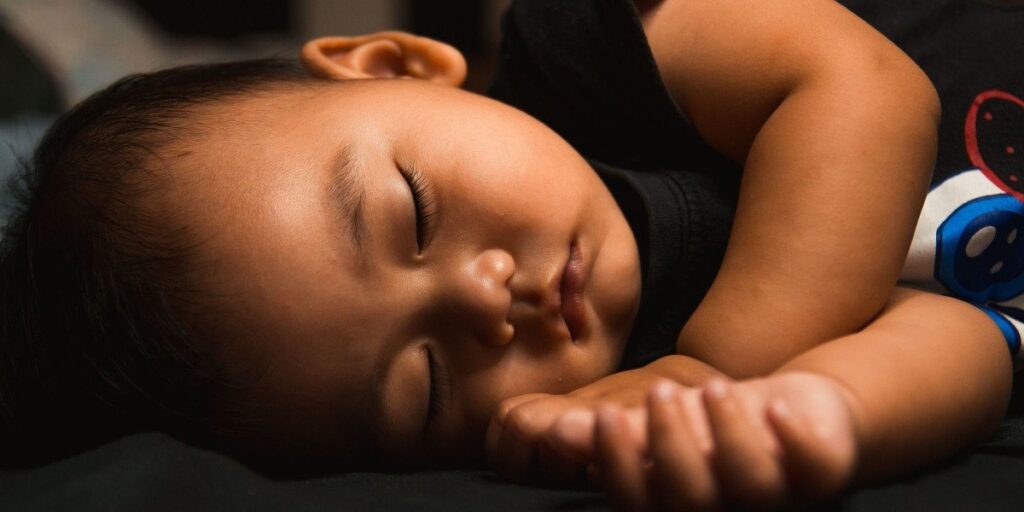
[
  {"x": 485, "y": 295},
  {"x": 506, "y": 334}
]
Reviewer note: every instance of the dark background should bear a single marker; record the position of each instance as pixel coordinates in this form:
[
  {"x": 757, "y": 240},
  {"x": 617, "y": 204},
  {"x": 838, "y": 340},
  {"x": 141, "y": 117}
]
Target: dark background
[
  {"x": 80, "y": 46},
  {"x": 458, "y": 22},
  {"x": 225, "y": 18},
  {"x": 469, "y": 25}
]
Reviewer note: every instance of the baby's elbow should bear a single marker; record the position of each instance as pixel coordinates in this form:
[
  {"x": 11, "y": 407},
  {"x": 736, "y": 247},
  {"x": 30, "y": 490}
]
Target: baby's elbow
[
  {"x": 932, "y": 100},
  {"x": 925, "y": 97},
  {"x": 916, "y": 90}
]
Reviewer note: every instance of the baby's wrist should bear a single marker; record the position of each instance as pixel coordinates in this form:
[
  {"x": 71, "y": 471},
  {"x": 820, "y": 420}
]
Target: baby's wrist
[
  {"x": 796, "y": 386},
  {"x": 683, "y": 370}
]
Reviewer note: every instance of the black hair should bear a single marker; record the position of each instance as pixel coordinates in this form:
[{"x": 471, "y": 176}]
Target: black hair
[{"x": 97, "y": 334}]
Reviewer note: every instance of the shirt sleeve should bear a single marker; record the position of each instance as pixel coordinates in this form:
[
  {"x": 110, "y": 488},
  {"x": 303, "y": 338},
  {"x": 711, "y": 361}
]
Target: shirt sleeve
[{"x": 1009, "y": 323}]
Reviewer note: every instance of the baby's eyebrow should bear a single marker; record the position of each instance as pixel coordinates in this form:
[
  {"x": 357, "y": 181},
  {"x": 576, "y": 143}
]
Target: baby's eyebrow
[{"x": 345, "y": 195}]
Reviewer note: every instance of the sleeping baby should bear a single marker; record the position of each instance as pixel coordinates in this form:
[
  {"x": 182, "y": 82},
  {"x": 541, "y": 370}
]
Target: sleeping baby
[{"x": 666, "y": 260}]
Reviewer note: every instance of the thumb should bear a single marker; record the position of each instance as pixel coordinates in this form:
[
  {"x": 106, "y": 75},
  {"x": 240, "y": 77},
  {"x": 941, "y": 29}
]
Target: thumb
[{"x": 572, "y": 435}]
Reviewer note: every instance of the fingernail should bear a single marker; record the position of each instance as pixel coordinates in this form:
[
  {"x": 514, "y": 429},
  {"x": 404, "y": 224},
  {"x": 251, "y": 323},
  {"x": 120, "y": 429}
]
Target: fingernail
[{"x": 716, "y": 389}]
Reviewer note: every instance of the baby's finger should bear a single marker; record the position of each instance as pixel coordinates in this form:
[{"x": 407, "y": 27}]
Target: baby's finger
[
  {"x": 636, "y": 424},
  {"x": 682, "y": 477},
  {"x": 510, "y": 443},
  {"x": 816, "y": 467},
  {"x": 500, "y": 417},
  {"x": 748, "y": 473},
  {"x": 557, "y": 469},
  {"x": 572, "y": 435},
  {"x": 622, "y": 470},
  {"x": 573, "y": 432},
  {"x": 515, "y": 459},
  {"x": 692, "y": 402}
]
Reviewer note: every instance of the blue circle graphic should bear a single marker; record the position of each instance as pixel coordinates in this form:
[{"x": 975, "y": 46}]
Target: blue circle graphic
[{"x": 989, "y": 270}]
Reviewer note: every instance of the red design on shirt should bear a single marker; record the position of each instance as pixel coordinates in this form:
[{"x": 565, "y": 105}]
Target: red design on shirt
[{"x": 992, "y": 144}]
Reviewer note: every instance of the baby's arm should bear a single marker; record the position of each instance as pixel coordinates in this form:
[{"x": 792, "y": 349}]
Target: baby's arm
[
  {"x": 930, "y": 376},
  {"x": 836, "y": 128}
]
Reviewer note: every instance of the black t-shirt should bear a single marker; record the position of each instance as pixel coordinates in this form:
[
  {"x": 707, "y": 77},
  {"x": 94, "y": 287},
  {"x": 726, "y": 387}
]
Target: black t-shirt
[
  {"x": 973, "y": 51},
  {"x": 965, "y": 243},
  {"x": 585, "y": 69}
]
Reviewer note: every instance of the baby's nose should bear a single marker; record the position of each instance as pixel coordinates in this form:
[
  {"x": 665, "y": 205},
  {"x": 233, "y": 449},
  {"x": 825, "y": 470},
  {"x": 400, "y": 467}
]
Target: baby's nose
[{"x": 484, "y": 298}]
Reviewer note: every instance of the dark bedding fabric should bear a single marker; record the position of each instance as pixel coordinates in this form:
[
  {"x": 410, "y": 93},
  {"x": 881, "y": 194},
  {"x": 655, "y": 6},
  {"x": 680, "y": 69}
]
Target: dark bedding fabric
[{"x": 153, "y": 472}]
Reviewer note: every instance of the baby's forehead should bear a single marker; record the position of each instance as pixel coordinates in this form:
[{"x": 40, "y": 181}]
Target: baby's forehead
[
  {"x": 314, "y": 117},
  {"x": 261, "y": 106}
]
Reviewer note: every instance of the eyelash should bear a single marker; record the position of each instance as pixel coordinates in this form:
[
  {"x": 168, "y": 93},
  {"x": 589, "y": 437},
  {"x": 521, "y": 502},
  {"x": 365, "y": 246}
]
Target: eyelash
[
  {"x": 424, "y": 205},
  {"x": 439, "y": 387}
]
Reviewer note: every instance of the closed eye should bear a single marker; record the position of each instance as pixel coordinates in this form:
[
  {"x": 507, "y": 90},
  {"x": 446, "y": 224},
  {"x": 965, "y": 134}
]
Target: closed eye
[{"x": 423, "y": 204}]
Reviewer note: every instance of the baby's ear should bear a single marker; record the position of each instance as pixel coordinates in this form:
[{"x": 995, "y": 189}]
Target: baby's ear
[{"x": 384, "y": 55}]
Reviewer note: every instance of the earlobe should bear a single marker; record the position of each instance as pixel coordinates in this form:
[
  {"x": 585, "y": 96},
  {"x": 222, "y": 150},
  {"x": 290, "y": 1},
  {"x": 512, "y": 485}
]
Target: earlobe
[{"x": 384, "y": 55}]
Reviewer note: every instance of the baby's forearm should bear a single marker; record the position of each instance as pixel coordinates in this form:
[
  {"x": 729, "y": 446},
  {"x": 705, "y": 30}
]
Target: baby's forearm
[
  {"x": 831, "y": 191},
  {"x": 928, "y": 377}
]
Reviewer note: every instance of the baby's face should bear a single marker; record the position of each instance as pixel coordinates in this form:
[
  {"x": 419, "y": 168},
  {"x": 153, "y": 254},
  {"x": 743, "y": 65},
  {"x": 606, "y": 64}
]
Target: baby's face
[{"x": 381, "y": 323}]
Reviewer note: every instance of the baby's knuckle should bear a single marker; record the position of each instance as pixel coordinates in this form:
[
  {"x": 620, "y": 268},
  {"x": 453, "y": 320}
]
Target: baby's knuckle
[
  {"x": 522, "y": 421},
  {"x": 505, "y": 407}
]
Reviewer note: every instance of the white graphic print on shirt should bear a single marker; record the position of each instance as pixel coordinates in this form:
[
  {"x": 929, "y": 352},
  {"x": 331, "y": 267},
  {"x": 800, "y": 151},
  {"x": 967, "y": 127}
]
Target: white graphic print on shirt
[{"x": 968, "y": 242}]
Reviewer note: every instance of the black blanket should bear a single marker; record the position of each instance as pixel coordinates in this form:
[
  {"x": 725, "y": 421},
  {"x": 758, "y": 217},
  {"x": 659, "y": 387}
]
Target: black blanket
[{"x": 154, "y": 472}]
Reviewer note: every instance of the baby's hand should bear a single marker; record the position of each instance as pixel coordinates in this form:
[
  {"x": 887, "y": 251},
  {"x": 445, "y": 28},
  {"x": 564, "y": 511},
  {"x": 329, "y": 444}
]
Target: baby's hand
[
  {"x": 774, "y": 441},
  {"x": 551, "y": 436}
]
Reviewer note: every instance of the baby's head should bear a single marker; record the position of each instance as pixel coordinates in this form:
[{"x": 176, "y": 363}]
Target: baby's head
[{"x": 329, "y": 263}]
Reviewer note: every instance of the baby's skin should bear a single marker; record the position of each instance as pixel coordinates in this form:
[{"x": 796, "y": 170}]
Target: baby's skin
[
  {"x": 791, "y": 380},
  {"x": 926, "y": 377},
  {"x": 366, "y": 238},
  {"x": 759, "y": 442}
]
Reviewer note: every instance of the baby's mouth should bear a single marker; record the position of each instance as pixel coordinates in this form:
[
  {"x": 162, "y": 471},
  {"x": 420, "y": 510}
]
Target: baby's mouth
[{"x": 574, "y": 279}]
